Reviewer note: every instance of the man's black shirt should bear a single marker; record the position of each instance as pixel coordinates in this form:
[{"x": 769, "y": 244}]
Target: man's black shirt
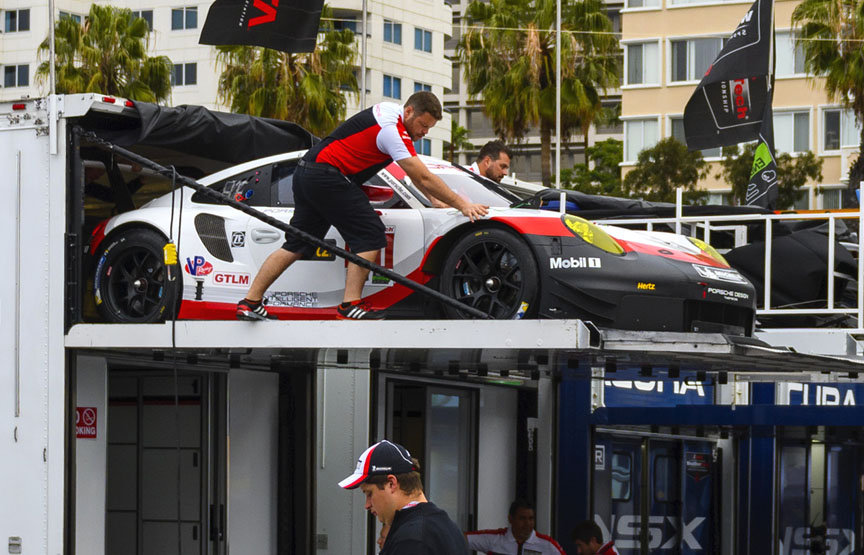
[{"x": 424, "y": 529}]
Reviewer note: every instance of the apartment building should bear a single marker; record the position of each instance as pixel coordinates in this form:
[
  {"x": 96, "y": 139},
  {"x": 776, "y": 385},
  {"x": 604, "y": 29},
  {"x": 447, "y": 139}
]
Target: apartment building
[
  {"x": 469, "y": 112},
  {"x": 404, "y": 41},
  {"x": 668, "y": 45}
]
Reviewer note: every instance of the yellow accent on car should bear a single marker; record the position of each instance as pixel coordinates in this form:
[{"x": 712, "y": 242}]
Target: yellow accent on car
[
  {"x": 591, "y": 234},
  {"x": 709, "y": 250}
]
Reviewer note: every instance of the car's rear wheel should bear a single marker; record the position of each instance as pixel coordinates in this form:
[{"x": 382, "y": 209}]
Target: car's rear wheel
[
  {"x": 493, "y": 271},
  {"x": 131, "y": 283}
]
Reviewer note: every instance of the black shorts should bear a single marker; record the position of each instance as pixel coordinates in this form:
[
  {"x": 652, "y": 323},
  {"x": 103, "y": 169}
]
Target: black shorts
[{"x": 324, "y": 197}]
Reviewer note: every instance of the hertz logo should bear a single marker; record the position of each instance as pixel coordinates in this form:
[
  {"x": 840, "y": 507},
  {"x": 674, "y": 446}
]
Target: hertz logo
[{"x": 646, "y": 286}]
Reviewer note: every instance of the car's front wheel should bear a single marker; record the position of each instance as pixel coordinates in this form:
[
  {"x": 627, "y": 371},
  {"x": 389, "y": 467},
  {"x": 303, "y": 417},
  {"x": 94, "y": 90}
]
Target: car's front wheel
[
  {"x": 493, "y": 271},
  {"x": 131, "y": 283}
]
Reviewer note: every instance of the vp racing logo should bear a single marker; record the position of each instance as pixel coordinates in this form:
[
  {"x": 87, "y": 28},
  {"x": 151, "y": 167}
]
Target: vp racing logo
[
  {"x": 198, "y": 266},
  {"x": 558, "y": 263}
]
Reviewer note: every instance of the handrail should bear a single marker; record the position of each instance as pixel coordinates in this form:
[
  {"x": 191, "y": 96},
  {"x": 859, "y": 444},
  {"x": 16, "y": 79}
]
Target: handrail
[{"x": 708, "y": 223}]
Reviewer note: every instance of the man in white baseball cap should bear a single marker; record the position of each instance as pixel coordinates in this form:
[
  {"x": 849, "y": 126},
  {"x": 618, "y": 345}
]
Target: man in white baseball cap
[{"x": 390, "y": 479}]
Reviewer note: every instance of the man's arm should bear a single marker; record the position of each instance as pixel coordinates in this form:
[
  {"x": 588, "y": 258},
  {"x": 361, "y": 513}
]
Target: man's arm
[{"x": 431, "y": 185}]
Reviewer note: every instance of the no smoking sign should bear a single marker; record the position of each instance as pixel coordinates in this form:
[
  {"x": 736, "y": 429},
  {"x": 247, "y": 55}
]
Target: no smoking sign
[{"x": 85, "y": 422}]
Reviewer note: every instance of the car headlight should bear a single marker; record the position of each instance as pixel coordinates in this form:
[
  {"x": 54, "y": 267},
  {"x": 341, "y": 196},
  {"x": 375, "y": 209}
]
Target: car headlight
[
  {"x": 708, "y": 250},
  {"x": 591, "y": 234}
]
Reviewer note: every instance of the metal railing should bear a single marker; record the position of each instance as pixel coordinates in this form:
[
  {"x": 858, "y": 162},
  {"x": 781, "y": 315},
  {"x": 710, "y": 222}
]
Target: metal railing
[{"x": 737, "y": 224}]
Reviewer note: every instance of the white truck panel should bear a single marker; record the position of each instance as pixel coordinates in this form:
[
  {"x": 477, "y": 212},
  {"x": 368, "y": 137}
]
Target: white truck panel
[{"x": 31, "y": 327}]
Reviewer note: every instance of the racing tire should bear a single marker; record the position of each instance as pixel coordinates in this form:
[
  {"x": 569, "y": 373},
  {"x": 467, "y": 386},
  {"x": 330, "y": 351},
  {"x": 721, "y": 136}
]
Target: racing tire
[
  {"x": 131, "y": 282},
  {"x": 494, "y": 271}
]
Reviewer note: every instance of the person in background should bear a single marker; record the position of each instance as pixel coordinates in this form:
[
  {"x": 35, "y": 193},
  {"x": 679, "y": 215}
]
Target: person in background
[
  {"x": 493, "y": 161},
  {"x": 589, "y": 539},
  {"x": 519, "y": 538},
  {"x": 390, "y": 479}
]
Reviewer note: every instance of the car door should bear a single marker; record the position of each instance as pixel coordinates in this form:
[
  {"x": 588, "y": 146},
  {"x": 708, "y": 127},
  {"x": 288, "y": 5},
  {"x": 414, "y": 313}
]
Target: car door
[{"x": 319, "y": 281}]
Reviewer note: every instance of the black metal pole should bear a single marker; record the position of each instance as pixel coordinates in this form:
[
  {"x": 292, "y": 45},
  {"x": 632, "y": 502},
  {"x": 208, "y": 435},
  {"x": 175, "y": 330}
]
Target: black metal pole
[{"x": 278, "y": 224}]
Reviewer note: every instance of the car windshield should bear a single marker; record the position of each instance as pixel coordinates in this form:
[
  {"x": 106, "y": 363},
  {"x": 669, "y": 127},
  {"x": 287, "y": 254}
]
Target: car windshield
[{"x": 471, "y": 189}]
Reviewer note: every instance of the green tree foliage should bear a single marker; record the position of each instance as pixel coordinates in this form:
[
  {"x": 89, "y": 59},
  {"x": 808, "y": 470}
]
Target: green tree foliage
[
  {"x": 661, "y": 169},
  {"x": 306, "y": 88},
  {"x": 107, "y": 54},
  {"x": 508, "y": 56},
  {"x": 831, "y": 32},
  {"x": 605, "y": 176},
  {"x": 792, "y": 173},
  {"x": 458, "y": 140}
]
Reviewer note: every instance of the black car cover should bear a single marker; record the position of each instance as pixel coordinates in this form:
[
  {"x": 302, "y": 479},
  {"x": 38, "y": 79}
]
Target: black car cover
[{"x": 206, "y": 134}]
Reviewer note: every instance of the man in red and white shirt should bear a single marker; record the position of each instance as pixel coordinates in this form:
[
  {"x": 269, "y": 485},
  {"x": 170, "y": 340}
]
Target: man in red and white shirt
[
  {"x": 327, "y": 192},
  {"x": 519, "y": 538},
  {"x": 589, "y": 539}
]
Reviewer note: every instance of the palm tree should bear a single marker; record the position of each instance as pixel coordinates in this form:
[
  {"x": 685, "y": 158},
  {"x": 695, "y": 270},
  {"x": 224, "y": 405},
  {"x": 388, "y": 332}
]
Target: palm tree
[
  {"x": 458, "y": 139},
  {"x": 107, "y": 55},
  {"x": 508, "y": 55},
  {"x": 830, "y": 32},
  {"x": 306, "y": 88}
]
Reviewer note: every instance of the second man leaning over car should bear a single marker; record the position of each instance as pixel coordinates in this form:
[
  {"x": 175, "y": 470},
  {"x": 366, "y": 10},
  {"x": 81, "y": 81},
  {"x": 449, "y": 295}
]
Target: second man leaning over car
[{"x": 327, "y": 192}]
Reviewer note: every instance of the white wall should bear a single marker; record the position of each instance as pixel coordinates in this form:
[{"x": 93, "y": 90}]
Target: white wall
[
  {"x": 496, "y": 478},
  {"x": 342, "y": 435},
  {"x": 253, "y": 404},
  {"x": 91, "y": 458}
]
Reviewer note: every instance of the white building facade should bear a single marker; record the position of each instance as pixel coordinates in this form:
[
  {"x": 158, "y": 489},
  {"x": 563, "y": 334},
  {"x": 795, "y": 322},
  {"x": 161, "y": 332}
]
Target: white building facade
[{"x": 404, "y": 41}]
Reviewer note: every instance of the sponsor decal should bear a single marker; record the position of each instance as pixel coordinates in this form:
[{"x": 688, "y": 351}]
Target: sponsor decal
[
  {"x": 523, "y": 308},
  {"x": 293, "y": 299},
  {"x": 697, "y": 465},
  {"x": 559, "y": 262},
  {"x": 664, "y": 532},
  {"x": 198, "y": 266},
  {"x": 722, "y": 274},
  {"x": 380, "y": 468},
  {"x": 238, "y": 238},
  {"x": 323, "y": 254},
  {"x": 231, "y": 278},
  {"x": 646, "y": 286},
  {"x": 729, "y": 295}
]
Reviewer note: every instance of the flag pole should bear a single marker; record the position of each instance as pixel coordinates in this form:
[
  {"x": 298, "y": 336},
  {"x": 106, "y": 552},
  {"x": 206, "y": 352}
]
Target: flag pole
[
  {"x": 363, "y": 60},
  {"x": 52, "y": 83},
  {"x": 558, "y": 105}
]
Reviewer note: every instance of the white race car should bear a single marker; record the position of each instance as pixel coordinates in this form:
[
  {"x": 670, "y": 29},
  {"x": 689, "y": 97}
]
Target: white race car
[{"x": 514, "y": 263}]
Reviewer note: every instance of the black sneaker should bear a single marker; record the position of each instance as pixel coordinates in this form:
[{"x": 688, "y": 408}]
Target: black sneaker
[
  {"x": 253, "y": 312},
  {"x": 358, "y": 310}
]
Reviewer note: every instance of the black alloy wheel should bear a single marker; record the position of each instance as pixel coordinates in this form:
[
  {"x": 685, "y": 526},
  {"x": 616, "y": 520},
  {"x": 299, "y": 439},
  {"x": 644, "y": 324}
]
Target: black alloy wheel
[
  {"x": 494, "y": 271},
  {"x": 132, "y": 281}
]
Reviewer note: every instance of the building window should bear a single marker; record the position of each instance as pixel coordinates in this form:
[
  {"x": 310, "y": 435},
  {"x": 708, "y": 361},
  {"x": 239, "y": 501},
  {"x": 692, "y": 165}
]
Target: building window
[
  {"x": 643, "y": 3},
  {"x": 184, "y": 74},
  {"x": 642, "y": 64},
  {"x": 839, "y": 129},
  {"x": 418, "y": 86},
  {"x": 790, "y": 56},
  {"x": 16, "y": 76},
  {"x": 677, "y": 125},
  {"x": 392, "y": 87},
  {"x": 344, "y": 21},
  {"x": 184, "y": 18},
  {"x": 721, "y": 199},
  {"x": 691, "y": 58},
  {"x": 792, "y": 131},
  {"x": 422, "y": 40},
  {"x": 832, "y": 199},
  {"x": 146, "y": 15},
  {"x": 73, "y": 16},
  {"x": 392, "y": 32},
  {"x": 16, "y": 21},
  {"x": 423, "y": 146},
  {"x": 639, "y": 134}
]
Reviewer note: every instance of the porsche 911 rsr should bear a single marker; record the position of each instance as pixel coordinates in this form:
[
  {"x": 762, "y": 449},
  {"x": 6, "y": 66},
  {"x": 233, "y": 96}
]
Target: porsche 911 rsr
[{"x": 515, "y": 263}]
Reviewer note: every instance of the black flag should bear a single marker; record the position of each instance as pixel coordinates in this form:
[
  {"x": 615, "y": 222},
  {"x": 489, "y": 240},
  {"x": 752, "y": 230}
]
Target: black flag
[
  {"x": 291, "y": 26},
  {"x": 729, "y": 103},
  {"x": 762, "y": 188}
]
